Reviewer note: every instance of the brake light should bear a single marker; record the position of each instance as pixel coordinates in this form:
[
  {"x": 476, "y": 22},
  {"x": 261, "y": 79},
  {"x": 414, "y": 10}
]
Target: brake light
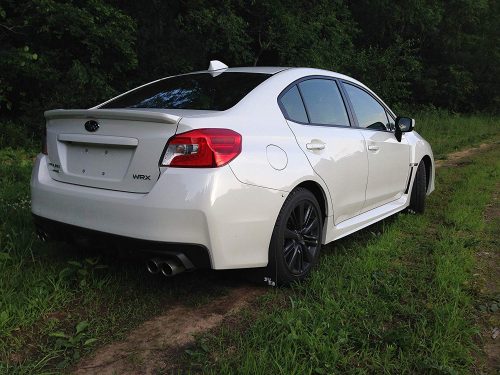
[
  {"x": 202, "y": 148},
  {"x": 44, "y": 142}
]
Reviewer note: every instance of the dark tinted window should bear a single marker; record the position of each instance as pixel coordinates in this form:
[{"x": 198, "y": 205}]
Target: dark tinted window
[
  {"x": 323, "y": 102},
  {"x": 369, "y": 112},
  {"x": 192, "y": 91},
  {"x": 294, "y": 108}
]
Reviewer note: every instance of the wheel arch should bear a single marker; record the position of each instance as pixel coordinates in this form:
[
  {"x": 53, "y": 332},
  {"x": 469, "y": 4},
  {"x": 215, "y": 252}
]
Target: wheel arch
[{"x": 318, "y": 192}]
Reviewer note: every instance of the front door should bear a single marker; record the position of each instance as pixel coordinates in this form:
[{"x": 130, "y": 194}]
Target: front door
[{"x": 388, "y": 159}]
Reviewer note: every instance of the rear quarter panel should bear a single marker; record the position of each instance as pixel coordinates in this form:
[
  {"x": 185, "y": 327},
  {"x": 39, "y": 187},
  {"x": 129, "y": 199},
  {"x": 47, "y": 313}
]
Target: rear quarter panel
[{"x": 259, "y": 120}]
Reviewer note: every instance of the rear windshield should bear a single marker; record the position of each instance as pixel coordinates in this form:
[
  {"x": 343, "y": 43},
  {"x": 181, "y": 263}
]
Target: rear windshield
[{"x": 192, "y": 91}]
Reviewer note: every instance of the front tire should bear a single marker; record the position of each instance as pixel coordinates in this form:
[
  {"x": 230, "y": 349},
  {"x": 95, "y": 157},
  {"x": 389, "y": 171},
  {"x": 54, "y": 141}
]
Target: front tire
[
  {"x": 296, "y": 240},
  {"x": 419, "y": 190}
]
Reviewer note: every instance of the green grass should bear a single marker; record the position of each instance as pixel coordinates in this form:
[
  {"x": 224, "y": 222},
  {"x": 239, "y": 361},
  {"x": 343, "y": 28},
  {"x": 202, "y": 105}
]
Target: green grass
[
  {"x": 395, "y": 298},
  {"x": 387, "y": 299},
  {"x": 46, "y": 289},
  {"x": 451, "y": 132}
]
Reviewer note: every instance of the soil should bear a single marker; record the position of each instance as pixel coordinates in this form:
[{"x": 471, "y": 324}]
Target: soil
[
  {"x": 155, "y": 344},
  {"x": 459, "y": 158}
]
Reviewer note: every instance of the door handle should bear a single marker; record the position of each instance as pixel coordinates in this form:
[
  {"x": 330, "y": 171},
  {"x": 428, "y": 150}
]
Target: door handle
[
  {"x": 373, "y": 148},
  {"x": 315, "y": 146}
]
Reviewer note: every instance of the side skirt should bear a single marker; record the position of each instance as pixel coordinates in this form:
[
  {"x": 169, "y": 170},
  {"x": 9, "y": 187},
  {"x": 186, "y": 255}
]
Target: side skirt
[{"x": 366, "y": 219}]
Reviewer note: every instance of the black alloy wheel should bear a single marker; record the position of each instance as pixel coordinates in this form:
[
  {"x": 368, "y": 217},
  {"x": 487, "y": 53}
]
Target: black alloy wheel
[
  {"x": 296, "y": 241},
  {"x": 302, "y": 237}
]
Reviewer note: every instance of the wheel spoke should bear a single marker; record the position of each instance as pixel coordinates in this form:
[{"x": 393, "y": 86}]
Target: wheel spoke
[
  {"x": 302, "y": 259},
  {"x": 295, "y": 257},
  {"x": 290, "y": 234},
  {"x": 311, "y": 226},
  {"x": 288, "y": 248},
  {"x": 307, "y": 216},
  {"x": 310, "y": 240}
]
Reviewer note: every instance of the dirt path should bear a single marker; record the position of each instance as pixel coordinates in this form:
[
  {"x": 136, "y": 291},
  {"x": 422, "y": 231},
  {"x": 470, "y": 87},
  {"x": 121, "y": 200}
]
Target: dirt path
[
  {"x": 157, "y": 343},
  {"x": 455, "y": 159}
]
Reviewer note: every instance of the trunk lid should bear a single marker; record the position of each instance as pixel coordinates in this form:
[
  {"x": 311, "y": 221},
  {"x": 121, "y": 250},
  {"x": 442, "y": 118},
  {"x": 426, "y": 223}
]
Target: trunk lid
[{"x": 119, "y": 149}]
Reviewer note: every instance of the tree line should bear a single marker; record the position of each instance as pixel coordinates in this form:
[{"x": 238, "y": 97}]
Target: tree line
[{"x": 77, "y": 53}]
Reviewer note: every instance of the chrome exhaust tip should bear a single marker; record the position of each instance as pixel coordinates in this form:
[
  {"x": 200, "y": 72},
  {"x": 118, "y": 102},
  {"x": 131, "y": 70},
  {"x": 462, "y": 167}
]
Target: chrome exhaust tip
[
  {"x": 167, "y": 267},
  {"x": 153, "y": 266},
  {"x": 171, "y": 268}
]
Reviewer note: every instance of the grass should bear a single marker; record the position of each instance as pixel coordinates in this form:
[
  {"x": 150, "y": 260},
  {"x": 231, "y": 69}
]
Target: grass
[
  {"x": 48, "y": 289},
  {"x": 451, "y": 132},
  {"x": 395, "y": 298},
  {"x": 392, "y": 298}
]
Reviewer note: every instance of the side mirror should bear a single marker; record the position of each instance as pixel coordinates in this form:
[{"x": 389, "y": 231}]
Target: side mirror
[{"x": 403, "y": 125}]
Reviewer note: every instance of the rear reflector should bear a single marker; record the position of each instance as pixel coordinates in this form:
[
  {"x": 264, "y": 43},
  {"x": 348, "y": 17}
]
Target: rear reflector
[{"x": 202, "y": 148}]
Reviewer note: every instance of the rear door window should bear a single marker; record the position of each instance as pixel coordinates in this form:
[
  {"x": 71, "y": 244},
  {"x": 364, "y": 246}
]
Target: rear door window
[
  {"x": 293, "y": 106},
  {"x": 323, "y": 102}
]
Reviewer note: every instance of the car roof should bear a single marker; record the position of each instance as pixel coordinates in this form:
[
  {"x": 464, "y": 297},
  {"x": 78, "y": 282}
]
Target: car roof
[{"x": 277, "y": 69}]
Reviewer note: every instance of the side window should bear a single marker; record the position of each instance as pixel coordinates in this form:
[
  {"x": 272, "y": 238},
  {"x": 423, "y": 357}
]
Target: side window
[
  {"x": 323, "y": 102},
  {"x": 294, "y": 108},
  {"x": 369, "y": 112}
]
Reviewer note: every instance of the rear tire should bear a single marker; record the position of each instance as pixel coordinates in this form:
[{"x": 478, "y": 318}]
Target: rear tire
[
  {"x": 296, "y": 240},
  {"x": 419, "y": 190}
]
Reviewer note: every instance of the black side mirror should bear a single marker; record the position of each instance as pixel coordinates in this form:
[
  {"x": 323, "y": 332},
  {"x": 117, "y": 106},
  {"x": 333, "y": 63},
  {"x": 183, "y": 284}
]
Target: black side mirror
[{"x": 403, "y": 125}]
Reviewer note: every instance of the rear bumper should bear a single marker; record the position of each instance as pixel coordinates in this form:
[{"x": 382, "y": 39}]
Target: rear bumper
[
  {"x": 197, "y": 255},
  {"x": 207, "y": 207}
]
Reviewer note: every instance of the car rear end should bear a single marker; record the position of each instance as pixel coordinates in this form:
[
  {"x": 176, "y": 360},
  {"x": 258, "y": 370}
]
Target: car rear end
[{"x": 123, "y": 174}]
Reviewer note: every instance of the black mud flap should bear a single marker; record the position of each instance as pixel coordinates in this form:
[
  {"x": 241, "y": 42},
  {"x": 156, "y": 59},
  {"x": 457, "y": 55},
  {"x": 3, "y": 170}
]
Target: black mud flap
[{"x": 267, "y": 275}]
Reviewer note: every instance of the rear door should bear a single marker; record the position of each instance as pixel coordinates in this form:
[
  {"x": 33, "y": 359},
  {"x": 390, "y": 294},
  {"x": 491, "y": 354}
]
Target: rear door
[
  {"x": 388, "y": 159},
  {"x": 316, "y": 113},
  {"x": 109, "y": 149}
]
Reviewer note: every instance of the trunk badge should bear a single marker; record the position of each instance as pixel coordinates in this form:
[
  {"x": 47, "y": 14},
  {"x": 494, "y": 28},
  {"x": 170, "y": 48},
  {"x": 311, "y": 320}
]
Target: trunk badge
[{"x": 91, "y": 125}]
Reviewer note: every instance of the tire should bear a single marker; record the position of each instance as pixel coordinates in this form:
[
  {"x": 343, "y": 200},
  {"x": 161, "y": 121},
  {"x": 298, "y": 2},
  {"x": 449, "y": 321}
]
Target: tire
[
  {"x": 296, "y": 240},
  {"x": 419, "y": 190}
]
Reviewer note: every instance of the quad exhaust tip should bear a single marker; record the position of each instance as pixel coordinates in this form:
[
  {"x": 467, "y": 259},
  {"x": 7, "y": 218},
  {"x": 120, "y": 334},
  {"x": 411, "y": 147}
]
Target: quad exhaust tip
[{"x": 167, "y": 267}]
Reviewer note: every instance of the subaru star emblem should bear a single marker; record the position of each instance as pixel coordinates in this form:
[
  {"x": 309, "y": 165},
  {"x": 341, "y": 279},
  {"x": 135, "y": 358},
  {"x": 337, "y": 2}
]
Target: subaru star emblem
[{"x": 91, "y": 125}]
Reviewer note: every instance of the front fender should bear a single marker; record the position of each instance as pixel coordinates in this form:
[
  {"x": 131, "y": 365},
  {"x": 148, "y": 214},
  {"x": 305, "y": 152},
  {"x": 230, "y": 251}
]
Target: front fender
[{"x": 419, "y": 149}]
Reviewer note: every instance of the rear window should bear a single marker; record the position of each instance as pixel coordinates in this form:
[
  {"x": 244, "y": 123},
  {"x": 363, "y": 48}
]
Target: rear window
[{"x": 192, "y": 91}]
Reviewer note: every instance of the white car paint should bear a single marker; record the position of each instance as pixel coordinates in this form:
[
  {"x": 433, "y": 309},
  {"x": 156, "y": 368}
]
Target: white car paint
[{"x": 231, "y": 210}]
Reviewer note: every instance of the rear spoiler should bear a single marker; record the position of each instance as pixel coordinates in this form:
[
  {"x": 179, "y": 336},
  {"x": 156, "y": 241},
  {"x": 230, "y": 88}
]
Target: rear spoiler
[{"x": 118, "y": 114}]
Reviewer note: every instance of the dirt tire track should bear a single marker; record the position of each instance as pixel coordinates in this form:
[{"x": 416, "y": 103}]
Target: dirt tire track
[
  {"x": 155, "y": 343},
  {"x": 455, "y": 159}
]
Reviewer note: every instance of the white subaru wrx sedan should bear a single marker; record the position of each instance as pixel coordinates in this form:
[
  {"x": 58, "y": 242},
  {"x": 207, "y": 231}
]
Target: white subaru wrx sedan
[{"x": 229, "y": 168}]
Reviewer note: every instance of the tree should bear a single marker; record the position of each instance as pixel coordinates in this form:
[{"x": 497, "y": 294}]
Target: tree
[{"x": 61, "y": 54}]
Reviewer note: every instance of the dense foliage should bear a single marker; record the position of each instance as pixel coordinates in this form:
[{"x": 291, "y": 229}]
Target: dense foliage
[{"x": 76, "y": 53}]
